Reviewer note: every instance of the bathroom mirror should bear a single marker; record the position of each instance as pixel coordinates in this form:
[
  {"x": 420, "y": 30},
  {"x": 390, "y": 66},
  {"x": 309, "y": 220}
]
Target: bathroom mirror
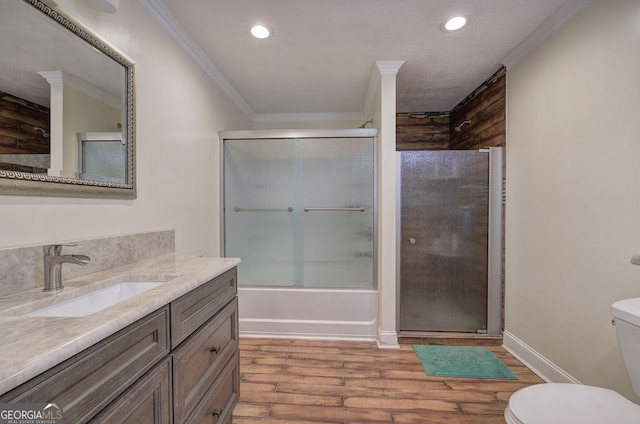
[{"x": 66, "y": 107}]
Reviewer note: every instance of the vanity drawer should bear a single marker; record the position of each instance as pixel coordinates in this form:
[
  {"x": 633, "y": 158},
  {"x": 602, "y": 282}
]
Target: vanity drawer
[
  {"x": 147, "y": 401},
  {"x": 195, "y": 308},
  {"x": 90, "y": 380},
  {"x": 217, "y": 406},
  {"x": 198, "y": 361}
]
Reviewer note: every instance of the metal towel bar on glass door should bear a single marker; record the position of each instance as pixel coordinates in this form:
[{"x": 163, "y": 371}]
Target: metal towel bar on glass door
[
  {"x": 357, "y": 209},
  {"x": 237, "y": 209}
]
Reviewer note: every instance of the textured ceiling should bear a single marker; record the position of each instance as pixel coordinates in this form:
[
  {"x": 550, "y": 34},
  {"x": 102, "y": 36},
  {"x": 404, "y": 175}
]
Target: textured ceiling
[{"x": 321, "y": 57}]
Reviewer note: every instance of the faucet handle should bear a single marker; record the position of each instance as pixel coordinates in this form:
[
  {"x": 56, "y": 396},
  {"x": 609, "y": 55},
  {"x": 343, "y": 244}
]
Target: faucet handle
[{"x": 55, "y": 249}]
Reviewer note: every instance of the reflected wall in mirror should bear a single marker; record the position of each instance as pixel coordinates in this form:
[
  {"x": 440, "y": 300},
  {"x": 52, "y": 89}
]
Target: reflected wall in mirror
[{"x": 59, "y": 82}]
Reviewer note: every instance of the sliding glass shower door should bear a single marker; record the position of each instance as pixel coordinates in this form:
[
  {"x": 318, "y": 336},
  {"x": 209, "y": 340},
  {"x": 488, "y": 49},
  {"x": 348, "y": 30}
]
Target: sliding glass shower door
[
  {"x": 299, "y": 212},
  {"x": 258, "y": 218}
]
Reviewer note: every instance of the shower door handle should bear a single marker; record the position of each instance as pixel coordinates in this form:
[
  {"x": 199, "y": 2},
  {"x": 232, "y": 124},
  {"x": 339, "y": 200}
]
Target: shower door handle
[
  {"x": 237, "y": 209},
  {"x": 357, "y": 209}
]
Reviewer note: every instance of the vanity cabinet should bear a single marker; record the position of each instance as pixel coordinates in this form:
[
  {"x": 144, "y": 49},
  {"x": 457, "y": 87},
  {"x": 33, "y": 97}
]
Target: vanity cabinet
[
  {"x": 199, "y": 361},
  {"x": 87, "y": 382},
  {"x": 218, "y": 403},
  {"x": 147, "y": 401},
  {"x": 176, "y": 365},
  {"x": 206, "y": 320},
  {"x": 195, "y": 308}
]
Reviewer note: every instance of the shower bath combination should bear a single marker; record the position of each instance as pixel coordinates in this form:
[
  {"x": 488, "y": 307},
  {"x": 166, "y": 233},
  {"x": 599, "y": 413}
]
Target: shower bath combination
[{"x": 298, "y": 209}]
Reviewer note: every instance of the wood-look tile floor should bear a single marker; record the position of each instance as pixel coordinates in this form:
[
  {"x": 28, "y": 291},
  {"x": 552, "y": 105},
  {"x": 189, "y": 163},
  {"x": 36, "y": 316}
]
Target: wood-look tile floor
[{"x": 312, "y": 382}]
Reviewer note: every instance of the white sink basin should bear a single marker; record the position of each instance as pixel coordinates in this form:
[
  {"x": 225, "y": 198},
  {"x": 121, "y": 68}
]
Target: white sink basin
[{"x": 96, "y": 301}]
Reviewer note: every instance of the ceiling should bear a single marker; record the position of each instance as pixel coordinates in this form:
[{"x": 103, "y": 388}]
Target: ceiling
[
  {"x": 25, "y": 52},
  {"x": 321, "y": 61}
]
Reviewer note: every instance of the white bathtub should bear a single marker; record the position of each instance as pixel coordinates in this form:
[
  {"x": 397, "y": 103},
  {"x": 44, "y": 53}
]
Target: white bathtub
[{"x": 332, "y": 314}]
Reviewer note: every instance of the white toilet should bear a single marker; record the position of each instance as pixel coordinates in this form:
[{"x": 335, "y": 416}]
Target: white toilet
[{"x": 564, "y": 403}]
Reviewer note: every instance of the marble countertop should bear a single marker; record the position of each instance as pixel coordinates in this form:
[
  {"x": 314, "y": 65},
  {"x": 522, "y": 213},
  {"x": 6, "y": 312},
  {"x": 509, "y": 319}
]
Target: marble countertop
[{"x": 32, "y": 345}]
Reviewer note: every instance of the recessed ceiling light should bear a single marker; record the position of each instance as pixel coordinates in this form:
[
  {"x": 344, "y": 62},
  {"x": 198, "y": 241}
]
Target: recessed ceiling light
[
  {"x": 260, "y": 31},
  {"x": 455, "y": 23}
]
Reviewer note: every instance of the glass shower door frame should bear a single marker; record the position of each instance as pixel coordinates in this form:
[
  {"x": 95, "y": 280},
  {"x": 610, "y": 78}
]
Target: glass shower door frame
[
  {"x": 303, "y": 134},
  {"x": 495, "y": 239}
]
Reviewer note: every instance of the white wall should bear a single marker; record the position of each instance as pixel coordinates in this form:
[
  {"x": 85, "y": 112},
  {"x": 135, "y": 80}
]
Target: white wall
[
  {"x": 83, "y": 113},
  {"x": 328, "y": 124},
  {"x": 178, "y": 114},
  {"x": 573, "y": 204}
]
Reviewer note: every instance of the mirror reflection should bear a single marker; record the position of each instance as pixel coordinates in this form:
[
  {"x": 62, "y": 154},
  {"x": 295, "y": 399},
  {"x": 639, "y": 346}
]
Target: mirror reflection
[{"x": 63, "y": 101}]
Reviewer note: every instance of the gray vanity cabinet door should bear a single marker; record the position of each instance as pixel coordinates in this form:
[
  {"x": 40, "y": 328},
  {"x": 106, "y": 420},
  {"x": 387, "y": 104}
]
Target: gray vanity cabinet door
[
  {"x": 146, "y": 402},
  {"x": 198, "y": 362},
  {"x": 217, "y": 405},
  {"x": 195, "y": 308},
  {"x": 91, "y": 380}
]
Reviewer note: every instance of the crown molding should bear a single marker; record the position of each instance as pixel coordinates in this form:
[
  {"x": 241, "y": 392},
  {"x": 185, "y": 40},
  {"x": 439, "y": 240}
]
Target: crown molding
[
  {"x": 381, "y": 68},
  {"x": 161, "y": 14},
  {"x": 389, "y": 67},
  {"x": 565, "y": 13},
  {"x": 52, "y": 77}
]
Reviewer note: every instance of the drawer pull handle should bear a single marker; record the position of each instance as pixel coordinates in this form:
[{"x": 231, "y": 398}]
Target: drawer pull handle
[
  {"x": 215, "y": 349},
  {"x": 216, "y": 413}
]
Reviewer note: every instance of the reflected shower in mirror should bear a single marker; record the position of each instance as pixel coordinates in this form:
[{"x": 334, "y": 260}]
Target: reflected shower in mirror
[{"x": 58, "y": 82}]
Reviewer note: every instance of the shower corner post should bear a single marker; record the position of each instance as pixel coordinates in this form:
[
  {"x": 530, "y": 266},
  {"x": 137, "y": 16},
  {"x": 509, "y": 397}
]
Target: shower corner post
[
  {"x": 495, "y": 248},
  {"x": 387, "y": 220},
  {"x": 387, "y": 339}
]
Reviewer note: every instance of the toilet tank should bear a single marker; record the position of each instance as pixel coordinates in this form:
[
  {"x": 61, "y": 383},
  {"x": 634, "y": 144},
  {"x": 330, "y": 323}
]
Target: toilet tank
[{"x": 627, "y": 319}]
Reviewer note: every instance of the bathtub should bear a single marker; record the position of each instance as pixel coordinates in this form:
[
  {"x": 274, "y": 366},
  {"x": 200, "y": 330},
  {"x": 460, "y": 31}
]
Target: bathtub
[{"x": 308, "y": 313}]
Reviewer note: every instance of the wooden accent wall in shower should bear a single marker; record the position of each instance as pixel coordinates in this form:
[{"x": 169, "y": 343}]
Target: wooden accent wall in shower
[
  {"x": 422, "y": 131},
  {"x": 485, "y": 109},
  {"x": 18, "y": 118}
]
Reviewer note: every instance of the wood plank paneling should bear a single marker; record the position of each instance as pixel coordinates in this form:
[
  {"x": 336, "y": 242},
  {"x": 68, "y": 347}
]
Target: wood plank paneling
[
  {"x": 422, "y": 133},
  {"x": 355, "y": 382},
  {"x": 18, "y": 119},
  {"x": 5, "y": 166},
  {"x": 485, "y": 108}
]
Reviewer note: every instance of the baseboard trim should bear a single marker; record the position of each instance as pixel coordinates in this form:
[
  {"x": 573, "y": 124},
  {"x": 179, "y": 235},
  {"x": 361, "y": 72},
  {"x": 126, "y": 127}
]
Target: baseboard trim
[
  {"x": 387, "y": 340},
  {"x": 308, "y": 329},
  {"x": 304, "y": 336},
  {"x": 541, "y": 366}
]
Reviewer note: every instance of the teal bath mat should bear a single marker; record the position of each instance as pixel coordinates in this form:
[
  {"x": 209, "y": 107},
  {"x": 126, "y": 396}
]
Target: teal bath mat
[{"x": 461, "y": 361}]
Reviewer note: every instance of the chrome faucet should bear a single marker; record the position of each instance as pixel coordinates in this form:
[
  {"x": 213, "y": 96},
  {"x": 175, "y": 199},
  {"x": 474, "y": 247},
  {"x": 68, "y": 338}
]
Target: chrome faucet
[{"x": 53, "y": 260}]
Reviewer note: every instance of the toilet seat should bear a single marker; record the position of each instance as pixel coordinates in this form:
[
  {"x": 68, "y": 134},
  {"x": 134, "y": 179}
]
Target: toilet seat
[{"x": 555, "y": 403}]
